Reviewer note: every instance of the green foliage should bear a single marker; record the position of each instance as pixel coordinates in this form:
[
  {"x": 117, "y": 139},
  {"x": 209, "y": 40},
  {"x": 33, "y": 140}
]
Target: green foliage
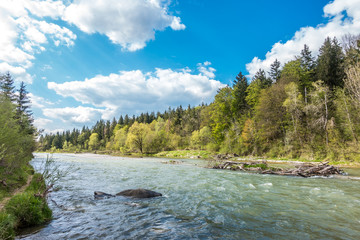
[
  {"x": 221, "y": 115},
  {"x": 330, "y": 64},
  {"x": 253, "y": 93},
  {"x": 275, "y": 71},
  {"x": 136, "y": 136},
  {"x": 16, "y": 146},
  {"x": 239, "y": 104},
  {"x": 28, "y": 210},
  {"x": 7, "y": 226},
  {"x": 94, "y": 141}
]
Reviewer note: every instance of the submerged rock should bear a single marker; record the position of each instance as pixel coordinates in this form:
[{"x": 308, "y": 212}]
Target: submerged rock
[
  {"x": 135, "y": 193},
  {"x": 139, "y": 193},
  {"x": 98, "y": 194}
]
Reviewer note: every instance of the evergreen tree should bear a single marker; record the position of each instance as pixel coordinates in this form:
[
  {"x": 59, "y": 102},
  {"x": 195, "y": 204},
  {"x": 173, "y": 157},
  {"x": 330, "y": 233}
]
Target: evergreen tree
[
  {"x": 306, "y": 59},
  {"x": 261, "y": 76},
  {"x": 330, "y": 64},
  {"x": 121, "y": 120},
  {"x": 126, "y": 120},
  {"x": 23, "y": 113},
  {"x": 275, "y": 71},
  {"x": 240, "y": 85},
  {"x": 7, "y": 87}
]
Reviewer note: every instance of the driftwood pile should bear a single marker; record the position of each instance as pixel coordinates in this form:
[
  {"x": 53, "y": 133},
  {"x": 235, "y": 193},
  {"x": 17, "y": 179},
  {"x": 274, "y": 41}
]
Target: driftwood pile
[
  {"x": 225, "y": 156},
  {"x": 302, "y": 170}
]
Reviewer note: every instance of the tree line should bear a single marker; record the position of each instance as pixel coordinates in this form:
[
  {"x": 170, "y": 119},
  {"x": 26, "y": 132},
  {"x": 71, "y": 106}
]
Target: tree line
[{"x": 305, "y": 108}]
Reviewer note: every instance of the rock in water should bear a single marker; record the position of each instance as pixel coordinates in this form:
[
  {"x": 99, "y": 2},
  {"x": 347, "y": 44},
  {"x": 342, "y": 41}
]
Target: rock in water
[
  {"x": 139, "y": 193},
  {"x": 98, "y": 194}
]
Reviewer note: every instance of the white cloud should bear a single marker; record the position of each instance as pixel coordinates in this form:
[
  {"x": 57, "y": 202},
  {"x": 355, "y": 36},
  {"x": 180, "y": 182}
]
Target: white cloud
[
  {"x": 338, "y": 25},
  {"x": 74, "y": 115},
  {"x": 128, "y": 23},
  {"x": 42, "y": 123},
  {"x": 38, "y": 102},
  {"x": 23, "y": 34},
  {"x": 206, "y": 70},
  {"x": 132, "y": 92}
]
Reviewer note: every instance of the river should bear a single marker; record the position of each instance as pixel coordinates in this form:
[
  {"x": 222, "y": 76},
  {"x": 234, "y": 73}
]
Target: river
[{"x": 197, "y": 203}]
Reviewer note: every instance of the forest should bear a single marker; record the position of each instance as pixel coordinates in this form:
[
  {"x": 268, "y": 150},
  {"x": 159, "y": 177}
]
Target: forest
[{"x": 305, "y": 108}]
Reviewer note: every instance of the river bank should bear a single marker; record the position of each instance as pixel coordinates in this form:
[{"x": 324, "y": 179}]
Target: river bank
[
  {"x": 206, "y": 155},
  {"x": 23, "y": 206}
]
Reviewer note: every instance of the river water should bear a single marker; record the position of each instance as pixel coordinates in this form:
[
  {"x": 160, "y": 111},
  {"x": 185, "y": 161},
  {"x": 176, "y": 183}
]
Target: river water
[{"x": 197, "y": 203}]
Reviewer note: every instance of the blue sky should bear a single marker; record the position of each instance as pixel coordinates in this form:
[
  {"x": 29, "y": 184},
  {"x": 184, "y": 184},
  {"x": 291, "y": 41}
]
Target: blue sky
[{"x": 84, "y": 60}]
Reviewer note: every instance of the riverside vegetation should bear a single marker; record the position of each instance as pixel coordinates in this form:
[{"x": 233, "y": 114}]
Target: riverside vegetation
[
  {"x": 307, "y": 108},
  {"x": 22, "y": 199}
]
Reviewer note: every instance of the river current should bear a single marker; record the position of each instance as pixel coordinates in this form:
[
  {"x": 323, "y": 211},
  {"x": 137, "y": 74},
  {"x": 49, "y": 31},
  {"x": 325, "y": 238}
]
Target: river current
[{"x": 197, "y": 203}]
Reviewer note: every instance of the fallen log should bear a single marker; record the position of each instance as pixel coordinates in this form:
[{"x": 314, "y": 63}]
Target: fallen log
[{"x": 303, "y": 170}]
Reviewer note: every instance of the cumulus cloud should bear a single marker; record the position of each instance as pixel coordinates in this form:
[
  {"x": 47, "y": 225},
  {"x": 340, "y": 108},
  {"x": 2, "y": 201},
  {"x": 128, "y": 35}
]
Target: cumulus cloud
[
  {"x": 38, "y": 102},
  {"x": 128, "y": 23},
  {"x": 24, "y": 33},
  {"x": 42, "y": 123},
  {"x": 27, "y": 26},
  {"x": 343, "y": 18},
  {"x": 134, "y": 91},
  {"x": 74, "y": 115}
]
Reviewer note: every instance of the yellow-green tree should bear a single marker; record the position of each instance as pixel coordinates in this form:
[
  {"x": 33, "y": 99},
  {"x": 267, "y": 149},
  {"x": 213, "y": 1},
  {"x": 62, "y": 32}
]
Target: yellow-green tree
[
  {"x": 136, "y": 136},
  {"x": 94, "y": 141}
]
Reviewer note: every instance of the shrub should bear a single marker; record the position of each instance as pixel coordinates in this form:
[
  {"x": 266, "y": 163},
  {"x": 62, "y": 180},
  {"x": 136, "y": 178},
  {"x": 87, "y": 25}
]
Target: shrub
[
  {"x": 6, "y": 226},
  {"x": 37, "y": 184},
  {"x": 28, "y": 210}
]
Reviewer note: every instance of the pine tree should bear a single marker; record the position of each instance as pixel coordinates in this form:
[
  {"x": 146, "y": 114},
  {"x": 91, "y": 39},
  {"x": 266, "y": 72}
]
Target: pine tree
[
  {"x": 7, "y": 87},
  {"x": 239, "y": 93},
  {"x": 261, "y": 76},
  {"x": 330, "y": 64},
  {"x": 306, "y": 59},
  {"x": 23, "y": 112},
  {"x": 121, "y": 120},
  {"x": 275, "y": 71}
]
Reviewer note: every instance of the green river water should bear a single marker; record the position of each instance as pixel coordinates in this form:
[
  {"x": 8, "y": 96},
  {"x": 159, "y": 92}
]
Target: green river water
[{"x": 197, "y": 203}]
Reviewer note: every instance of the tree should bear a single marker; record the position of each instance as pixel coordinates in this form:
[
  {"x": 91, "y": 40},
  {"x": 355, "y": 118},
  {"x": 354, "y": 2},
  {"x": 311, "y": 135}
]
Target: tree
[
  {"x": 16, "y": 147},
  {"x": 23, "y": 113},
  {"x": 261, "y": 76},
  {"x": 270, "y": 116},
  {"x": 253, "y": 93},
  {"x": 136, "y": 136},
  {"x": 294, "y": 105},
  {"x": 307, "y": 65},
  {"x": 94, "y": 141},
  {"x": 351, "y": 45},
  {"x": 275, "y": 71},
  {"x": 120, "y": 138},
  {"x": 220, "y": 114},
  {"x": 318, "y": 110},
  {"x": 306, "y": 59},
  {"x": 352, "y": 83},
  {"x": 239, "y": 105},
  {"x": 330, "y": 64},
  {"x": 7, "y": 87}
]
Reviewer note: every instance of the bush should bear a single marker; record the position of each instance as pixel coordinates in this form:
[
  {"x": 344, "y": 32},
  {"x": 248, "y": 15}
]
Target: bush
[
  {"x": 37, "y": 184},
  {"x": 28, "y": 210},
  {"x": 6, "y": 226}
]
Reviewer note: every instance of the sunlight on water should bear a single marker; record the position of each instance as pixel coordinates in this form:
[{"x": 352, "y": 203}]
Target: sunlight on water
[{"x": 197, "y": 203}]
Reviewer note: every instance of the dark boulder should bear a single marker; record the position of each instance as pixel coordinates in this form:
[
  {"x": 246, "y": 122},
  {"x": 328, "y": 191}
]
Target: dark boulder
[
  {"x": 139, "y": 193},
  {"x": 98, "y": 194}
]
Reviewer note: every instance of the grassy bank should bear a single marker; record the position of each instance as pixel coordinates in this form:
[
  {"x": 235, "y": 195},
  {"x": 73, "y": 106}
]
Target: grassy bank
[{"x": 24, "y": 207}]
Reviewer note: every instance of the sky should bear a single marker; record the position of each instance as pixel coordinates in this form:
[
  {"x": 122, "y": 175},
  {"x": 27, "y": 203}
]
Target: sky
[{"x": 86, "y": 60}]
